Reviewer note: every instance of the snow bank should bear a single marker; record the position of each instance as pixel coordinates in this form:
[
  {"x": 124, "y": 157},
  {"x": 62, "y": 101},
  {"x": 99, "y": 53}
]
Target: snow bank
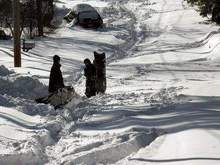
[
  {"x": 27, "y": 151},
  {"x": 16, "y": 86},
  {"x": 24, "y": 159},
  {"x": 4, "y": 71},
  {"x": 22, "y": 138}
]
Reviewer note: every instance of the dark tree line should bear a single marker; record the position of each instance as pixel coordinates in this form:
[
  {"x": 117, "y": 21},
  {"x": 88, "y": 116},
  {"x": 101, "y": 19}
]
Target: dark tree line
[
  {"x": 208, "y": 7},
  {"x": 35, "y": 14}
]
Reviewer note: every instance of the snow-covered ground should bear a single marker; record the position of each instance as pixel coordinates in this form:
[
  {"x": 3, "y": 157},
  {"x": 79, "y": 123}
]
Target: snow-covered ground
[{"x": 162, "y": 104}]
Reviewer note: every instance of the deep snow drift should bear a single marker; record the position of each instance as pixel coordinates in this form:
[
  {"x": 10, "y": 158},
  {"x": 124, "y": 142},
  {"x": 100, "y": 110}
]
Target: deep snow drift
[{"x": 162, "y": 103}]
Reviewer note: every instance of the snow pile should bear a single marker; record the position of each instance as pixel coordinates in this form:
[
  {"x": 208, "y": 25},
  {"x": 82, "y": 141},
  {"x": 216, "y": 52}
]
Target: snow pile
[
  {"x": 27, "y": 147},
  {"x": 5, "y": 101},
  {"x": 20, "y": 91},
  {"x": 17, "y": 86},
  {"x": 4, "y": 71}
]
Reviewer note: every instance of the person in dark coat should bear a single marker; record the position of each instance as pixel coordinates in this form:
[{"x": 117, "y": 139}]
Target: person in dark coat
[
  {"x": 90, "y": 74},
  {"x": 100, "y": 65},
  {"x": 56, "y": 78}
]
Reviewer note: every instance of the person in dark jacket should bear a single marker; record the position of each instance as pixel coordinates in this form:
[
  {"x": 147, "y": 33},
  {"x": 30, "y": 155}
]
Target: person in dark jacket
[
  {"x": 90, "y": 74},
  {"x": 100, "y": 65},
  {"x": 56, "y": 78}
]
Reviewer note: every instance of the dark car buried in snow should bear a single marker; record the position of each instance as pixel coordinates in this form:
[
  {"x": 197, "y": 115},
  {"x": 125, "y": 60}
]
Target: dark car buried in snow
[{"x": 85, "y": 16}]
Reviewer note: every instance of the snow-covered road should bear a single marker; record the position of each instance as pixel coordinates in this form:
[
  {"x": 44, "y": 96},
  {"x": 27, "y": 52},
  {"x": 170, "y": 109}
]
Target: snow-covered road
[
  {"x": 162, "y": 104},
  {"x": 180, "y": 148},
  {"x": 183, "y": 53}
]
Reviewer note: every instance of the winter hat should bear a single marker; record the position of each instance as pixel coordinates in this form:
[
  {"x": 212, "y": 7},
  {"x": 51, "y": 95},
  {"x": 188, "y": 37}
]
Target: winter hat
[
  {"x": 87, "y": 61},
  {"x": 56, "y": 58}
]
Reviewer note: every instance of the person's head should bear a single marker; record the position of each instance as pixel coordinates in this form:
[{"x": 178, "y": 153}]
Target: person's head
[
  {"x": 87, "y": 61},
  {"x": 99, "y": 54},
  {"x": 56, "y": 59}
]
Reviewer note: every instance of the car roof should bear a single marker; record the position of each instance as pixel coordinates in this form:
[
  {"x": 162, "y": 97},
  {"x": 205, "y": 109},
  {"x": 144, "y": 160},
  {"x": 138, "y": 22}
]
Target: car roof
[{"x": 83, "y": 7}]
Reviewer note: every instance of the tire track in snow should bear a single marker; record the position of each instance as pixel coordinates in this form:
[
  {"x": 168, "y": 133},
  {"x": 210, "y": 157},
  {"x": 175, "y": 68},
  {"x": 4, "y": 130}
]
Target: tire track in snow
[
  {"x": 158, "y": 25},
  {"x": 6, "y": 52},
  {"x": 122, "y": 50}
]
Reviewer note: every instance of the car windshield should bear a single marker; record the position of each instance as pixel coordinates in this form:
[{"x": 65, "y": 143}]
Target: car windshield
[{"x": 88, "y": 14}]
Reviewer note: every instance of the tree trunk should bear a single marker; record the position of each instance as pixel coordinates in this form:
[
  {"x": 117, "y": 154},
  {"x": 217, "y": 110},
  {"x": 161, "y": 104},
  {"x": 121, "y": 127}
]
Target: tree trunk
[
  {"x": 40, "y": 18},
  {"x": 17, "y": 34}
]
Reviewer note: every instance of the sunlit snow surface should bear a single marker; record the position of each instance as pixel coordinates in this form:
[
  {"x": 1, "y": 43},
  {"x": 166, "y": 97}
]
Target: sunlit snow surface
[{"x": 162, "y": 102}]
